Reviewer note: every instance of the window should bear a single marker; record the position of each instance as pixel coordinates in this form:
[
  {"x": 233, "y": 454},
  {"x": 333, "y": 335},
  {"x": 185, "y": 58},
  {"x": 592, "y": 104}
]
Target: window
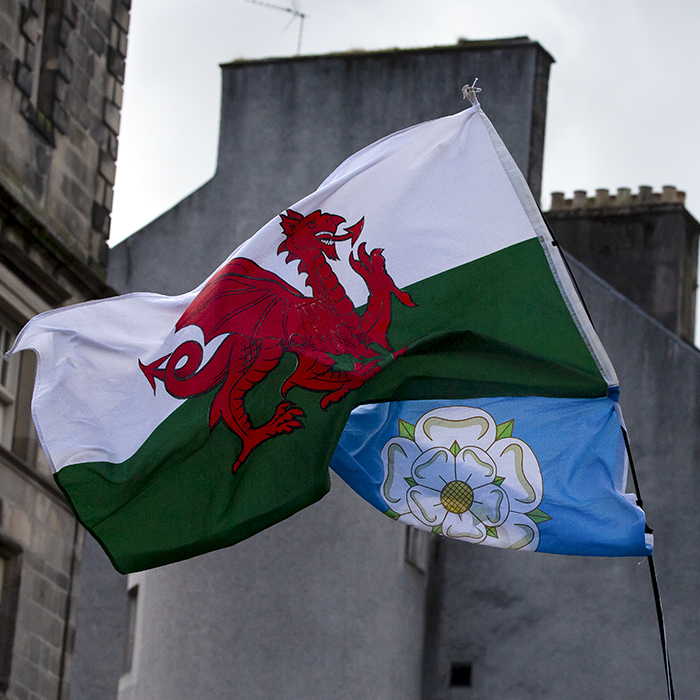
[
  {"x": 25, "y": 441},
  {"x": 9, "y": 379},
  {"x": 131, "y": 608},
  {"x": 49, "y": 57},
  {"x": 37, "y": 75},
  {"x": 461, "y": 675},
  {"x": 10, "y": 570},
  {"x": 17, "y": 431},
  {"x": 417, "y": 548}
]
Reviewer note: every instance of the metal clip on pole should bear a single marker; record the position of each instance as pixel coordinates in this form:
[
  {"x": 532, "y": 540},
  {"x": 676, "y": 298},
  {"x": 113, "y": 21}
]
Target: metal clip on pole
[{"x": 469, "y": 92}]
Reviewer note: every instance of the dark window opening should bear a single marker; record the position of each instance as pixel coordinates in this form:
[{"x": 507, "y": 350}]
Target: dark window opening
[
  {"x": 9, "y": 379},
  {"x": 50, "y": 47},
  {"x": 25, "y": 441},
  {"x": 10, "y": 573},
  {"x": 130, "y": 639},
  {"x": 461, "y": 676},
  {"x": 37, "y": 76},
  {"x": 17, "y": 372}
]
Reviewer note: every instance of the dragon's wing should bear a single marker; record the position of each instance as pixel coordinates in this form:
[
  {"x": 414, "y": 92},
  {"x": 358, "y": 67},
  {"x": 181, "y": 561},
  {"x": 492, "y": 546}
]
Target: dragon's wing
[{"x": 243, "y": 298}]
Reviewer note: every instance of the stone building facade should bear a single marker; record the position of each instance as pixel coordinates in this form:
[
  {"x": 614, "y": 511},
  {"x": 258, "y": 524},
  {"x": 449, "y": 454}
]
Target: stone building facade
[{"x": 61, "y": 74}]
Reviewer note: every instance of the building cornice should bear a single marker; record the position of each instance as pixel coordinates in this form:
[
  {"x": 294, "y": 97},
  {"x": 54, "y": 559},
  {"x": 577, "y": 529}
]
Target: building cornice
[{"x": 37, "y": 257}]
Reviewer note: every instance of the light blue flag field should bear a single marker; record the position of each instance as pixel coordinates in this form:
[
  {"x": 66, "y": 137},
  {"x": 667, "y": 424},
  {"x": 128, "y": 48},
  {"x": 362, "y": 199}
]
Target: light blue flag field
[{"x": 530, "y": 473}]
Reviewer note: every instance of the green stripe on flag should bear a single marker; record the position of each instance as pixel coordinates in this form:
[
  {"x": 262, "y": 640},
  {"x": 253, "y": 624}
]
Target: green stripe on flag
[
  {"x": 494, "y": 327},
  {"x": 176, "y": 497}
]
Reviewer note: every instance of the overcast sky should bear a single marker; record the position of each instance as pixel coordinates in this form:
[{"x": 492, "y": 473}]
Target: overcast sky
[{"x": 623, "y": 93}]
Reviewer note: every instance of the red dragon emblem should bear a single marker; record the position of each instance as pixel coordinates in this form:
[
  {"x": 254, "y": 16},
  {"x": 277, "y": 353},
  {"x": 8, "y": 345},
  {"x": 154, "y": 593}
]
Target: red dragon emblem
[{"x": 262, "y": 317}]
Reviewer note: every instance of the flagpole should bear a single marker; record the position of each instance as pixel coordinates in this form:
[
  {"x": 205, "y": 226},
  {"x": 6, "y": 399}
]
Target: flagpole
[
  {"x": 654, "y": 580},
  {"x": 470, "y": 92},
  {"x": 650, "y": 558}
]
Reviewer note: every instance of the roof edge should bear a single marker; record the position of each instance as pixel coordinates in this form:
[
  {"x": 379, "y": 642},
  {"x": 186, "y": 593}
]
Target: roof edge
[
  {"x": 462, "y": 44},
  {"x": 624, "y": 211}
]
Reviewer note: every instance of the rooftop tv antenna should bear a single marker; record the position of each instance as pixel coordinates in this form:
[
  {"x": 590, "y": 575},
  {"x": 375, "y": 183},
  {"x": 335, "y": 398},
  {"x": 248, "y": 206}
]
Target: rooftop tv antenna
[{"x": 293, "y": 10}]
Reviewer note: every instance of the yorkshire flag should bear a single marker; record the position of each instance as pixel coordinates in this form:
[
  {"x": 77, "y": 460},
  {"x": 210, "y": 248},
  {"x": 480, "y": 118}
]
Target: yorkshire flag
[{"x": 410, "y": 324}]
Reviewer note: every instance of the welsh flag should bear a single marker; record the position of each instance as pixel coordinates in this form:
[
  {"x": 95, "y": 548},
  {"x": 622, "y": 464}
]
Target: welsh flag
[{"x": 410, "y": 324}]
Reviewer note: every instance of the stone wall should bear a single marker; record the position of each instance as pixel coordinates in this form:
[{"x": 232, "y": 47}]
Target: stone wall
[
  {"x": 42, "y": 547},
  {"x": 61, "y": 74},
  {"x": 59, "y": 164}
]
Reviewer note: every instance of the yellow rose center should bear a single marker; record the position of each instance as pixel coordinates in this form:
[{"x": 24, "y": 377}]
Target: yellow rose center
[{"x": 457, "y": 497}]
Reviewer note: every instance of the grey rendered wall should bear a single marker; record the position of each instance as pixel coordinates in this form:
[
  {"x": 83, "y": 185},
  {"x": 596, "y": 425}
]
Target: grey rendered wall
[
  {"x": 100, "y": 627},
  {"x": 548, "y": 627},
  {"x": 647, "y": 251},
  {"x": 287, "y": 123},
  {"x": 322, "y": 605}
]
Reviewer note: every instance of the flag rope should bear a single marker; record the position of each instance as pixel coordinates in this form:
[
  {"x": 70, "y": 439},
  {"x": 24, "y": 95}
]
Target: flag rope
[
  {"x": 654, "y": 581},
  {"x": 469, "y": 92},
  {"x": 633, "y": 472}
]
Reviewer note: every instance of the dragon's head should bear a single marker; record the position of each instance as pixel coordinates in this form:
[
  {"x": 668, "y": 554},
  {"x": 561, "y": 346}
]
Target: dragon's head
[{"x": 315, "y": 232}]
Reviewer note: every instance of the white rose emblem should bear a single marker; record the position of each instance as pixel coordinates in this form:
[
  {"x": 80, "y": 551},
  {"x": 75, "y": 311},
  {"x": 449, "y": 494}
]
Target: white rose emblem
[{"x": 459, "y": 474}]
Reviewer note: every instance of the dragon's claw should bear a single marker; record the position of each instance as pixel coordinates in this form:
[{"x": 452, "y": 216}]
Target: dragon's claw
[
  {"x": 286, "y": 413},
  {"x": 370, "y": 266},
  {"x": 354, "y": 380},
  {"x": 285, "y": 420}
]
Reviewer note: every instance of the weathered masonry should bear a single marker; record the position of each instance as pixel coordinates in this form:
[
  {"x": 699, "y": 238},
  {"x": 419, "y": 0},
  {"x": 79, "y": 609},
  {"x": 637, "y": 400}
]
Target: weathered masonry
[{"x": 61, "y": 74}]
